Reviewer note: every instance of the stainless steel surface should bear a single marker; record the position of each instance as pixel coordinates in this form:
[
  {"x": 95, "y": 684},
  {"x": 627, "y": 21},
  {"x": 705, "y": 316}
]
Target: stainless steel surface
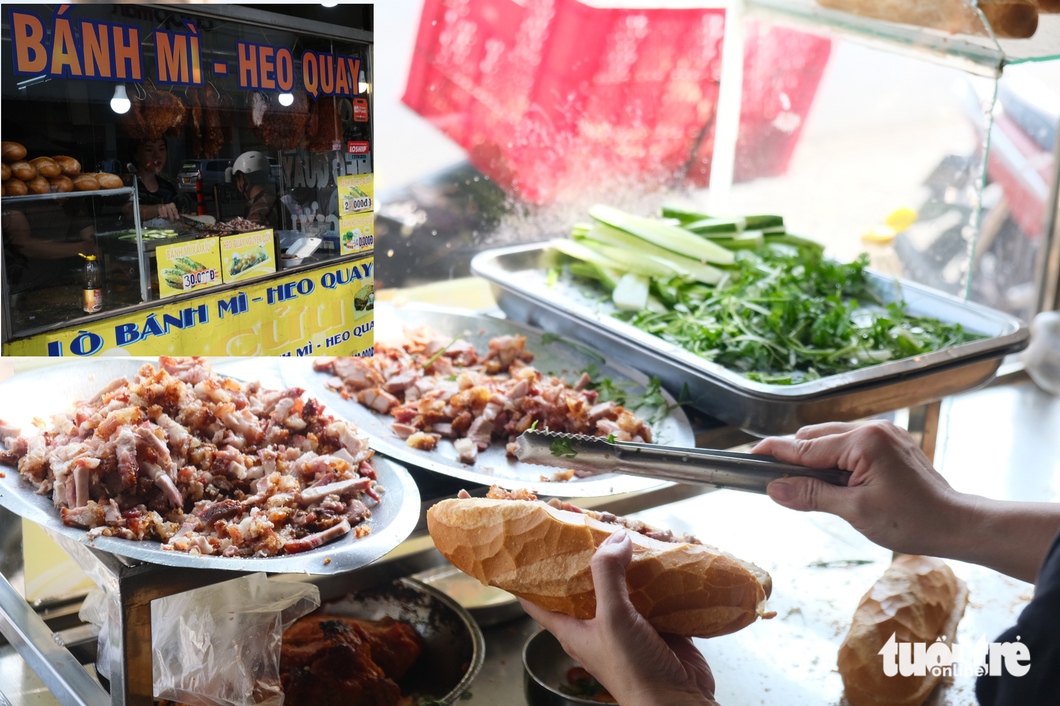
[
  {"x": 453, "y": 646},
  {"x": 545, "y": 667},
  {"x": 721, "y": 469},
  {"x": 519, "y": 277},
  {"x": 41, "y": 393},
  {"x": 493, "y": 465},
  {"x": 52, "y": 663}
]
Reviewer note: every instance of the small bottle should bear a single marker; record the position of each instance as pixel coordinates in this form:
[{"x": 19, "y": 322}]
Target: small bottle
[{"x": 92, "y": 290}]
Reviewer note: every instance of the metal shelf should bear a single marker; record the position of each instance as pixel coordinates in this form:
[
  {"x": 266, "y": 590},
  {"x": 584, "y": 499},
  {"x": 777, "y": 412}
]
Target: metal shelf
[{"x": 8, "y": 200}]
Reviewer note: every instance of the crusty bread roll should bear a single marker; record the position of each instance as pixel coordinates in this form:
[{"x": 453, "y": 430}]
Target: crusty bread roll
[
  {"x": 61, "y": 184},
  {"x": 1048, "y": 7},
  {"x": 85, "y": 182},
  {"x": 23, "y": 170},
  {"x": 5, "y": 172},
  {"x": 542, "y": 554},
  {"x": 1010, "y": 19},
  {"x": 15, "y": 187},
  {"x": 109, "y": 181},
  {"x": 39, "y": 185},
  {"x": 70, "y": 166},
  {"x": 46, "y": 167},
  {"x": 918, "y": 599},
  {"x": 12, "y": 151}
]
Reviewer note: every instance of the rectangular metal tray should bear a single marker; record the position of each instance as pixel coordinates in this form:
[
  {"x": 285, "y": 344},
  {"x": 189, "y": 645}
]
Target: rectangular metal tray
[{"x": 519, "y": 278}]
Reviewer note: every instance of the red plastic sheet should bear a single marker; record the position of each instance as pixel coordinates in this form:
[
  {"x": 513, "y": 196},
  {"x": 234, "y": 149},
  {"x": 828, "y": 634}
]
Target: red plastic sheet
[{"x": 550, "y": 96}]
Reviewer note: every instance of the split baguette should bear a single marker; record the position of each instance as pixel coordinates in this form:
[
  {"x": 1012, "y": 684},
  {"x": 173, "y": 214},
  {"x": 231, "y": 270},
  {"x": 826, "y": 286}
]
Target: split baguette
[
  {"x": 1010, "y": 19},
  {"x": 918, "y": 599},
  {"x": 542, "y": 554}
]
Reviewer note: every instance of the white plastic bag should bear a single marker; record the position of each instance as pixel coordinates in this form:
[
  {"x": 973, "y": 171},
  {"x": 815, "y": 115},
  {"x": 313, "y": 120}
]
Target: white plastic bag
[{"x": 220, "y": 645}]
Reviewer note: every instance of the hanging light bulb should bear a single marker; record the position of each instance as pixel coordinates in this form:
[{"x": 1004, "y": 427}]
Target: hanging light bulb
[
  {"x": 362, "y": 83},
  {"x": 286, "y": 98},
  {"x": 120, "y": 103},
  {"x": 329, "y": 4}
]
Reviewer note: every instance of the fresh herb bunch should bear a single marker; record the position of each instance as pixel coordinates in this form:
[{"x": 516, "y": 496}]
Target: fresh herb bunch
[{"x": 785, "y": 315}]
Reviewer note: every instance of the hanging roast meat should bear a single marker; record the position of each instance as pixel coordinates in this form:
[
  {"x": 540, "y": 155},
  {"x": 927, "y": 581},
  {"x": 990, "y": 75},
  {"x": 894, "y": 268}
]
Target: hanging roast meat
[
  {"x": 325, "y": 124},
  {"x": 195, "y": 123},
  {"x": 154, "y": 113},
  {"x": 279, "y": 126},
  {"x": 213, "y": 138}
]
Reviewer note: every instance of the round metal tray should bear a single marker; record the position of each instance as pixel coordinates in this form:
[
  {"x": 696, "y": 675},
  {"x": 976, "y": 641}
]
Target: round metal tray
[
  {"x": 493, "y": 465},
  {"x": 42, "y": 393}
]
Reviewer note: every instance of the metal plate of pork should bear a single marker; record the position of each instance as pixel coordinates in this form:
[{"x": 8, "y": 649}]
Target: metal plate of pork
[
  {"x": 51, "y": 390},
  {"x": 493, "y": 465}
]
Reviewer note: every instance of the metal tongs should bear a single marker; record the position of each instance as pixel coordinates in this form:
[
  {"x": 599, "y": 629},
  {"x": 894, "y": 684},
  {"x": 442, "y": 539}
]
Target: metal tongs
[{"x": 723, "y": 469}]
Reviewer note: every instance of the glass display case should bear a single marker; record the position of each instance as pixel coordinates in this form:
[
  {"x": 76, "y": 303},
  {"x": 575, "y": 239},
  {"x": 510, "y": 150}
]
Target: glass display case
[{"x": 204, "y": 152}]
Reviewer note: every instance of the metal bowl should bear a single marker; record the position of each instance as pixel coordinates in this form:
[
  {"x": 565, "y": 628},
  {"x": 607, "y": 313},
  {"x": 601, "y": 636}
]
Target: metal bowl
[
  {"x": 488, "y": 605},
  {"x": 453, "y": 647},
  {"x": 545, "y": 667}
]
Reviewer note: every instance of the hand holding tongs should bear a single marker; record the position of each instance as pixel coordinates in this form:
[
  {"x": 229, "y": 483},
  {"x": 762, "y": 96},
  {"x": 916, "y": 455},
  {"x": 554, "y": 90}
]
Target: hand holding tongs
[{"x": 724, "y": 469}]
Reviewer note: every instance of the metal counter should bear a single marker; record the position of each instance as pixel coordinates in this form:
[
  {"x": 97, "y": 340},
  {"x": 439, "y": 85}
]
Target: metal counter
[{"x": 790, "y": 659}]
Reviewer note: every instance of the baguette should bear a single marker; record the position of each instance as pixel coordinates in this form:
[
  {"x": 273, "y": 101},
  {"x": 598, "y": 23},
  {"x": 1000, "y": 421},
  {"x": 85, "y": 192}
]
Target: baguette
[
  {"x": 12, "y": 151},
  {"x": 85, "y": 182},
  {"x": 70, "y": 166},
  {"x": 542, "y": 552},
  {"x": 23, "y": 170},
  {"x": 15, "y": 187},
  {"x": 918, "y": 599},
  {"x": 39, "y": 185},
  {"x": 61, "y": 184},
  {"x": 46, "y": 167},
  {"x": 108, "y": 181},
  {"x": 1010, "y": 19}
]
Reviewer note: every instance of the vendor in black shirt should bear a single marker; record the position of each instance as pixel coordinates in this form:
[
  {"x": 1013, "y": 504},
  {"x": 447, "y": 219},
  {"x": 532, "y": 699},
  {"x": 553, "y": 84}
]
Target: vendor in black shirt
[
  {"x": 159, "y": 197},
  {"x": 896, "y": 499}
]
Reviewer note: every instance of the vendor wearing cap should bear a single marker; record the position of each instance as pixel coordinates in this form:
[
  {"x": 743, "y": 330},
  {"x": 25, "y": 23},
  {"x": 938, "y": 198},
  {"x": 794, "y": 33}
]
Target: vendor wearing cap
[{"x": 251, "y": 175}]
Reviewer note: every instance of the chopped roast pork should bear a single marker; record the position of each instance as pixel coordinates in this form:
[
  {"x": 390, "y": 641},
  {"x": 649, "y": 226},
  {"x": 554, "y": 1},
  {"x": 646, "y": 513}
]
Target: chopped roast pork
[
  {"x": 436, "y": 387},
  {"x": 201, "y": 463}
]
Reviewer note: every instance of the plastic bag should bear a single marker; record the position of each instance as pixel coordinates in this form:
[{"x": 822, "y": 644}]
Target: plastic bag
[
  {"x": 220, "y": 645},
  {"x": 96, "y": 609}
]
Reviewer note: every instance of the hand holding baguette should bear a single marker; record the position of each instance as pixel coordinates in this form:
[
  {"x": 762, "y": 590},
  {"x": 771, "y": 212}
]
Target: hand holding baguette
[{"x": 638, "y": 663}]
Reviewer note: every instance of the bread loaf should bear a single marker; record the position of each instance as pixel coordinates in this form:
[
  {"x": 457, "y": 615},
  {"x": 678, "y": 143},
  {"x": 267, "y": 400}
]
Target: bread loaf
[
  {"x": 70, "y": 166},
  {"x": 109, "y": 181},
  {"x": 12, "y": 151},
  {"x": 1010, "y": 19},
  {"x": 39, "y": 185},
  {"x": 23, "y": 170},
  {"x": 61, "y": 184},
  {"x": 46, "y": 167},
  {"x": 15, "y": 187},
  {"x": 918, "y": 599},
  {"x": 5, "y": 172},
  {"x": 542, "y": 554},
  {"x": 85, "y": 182}
]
